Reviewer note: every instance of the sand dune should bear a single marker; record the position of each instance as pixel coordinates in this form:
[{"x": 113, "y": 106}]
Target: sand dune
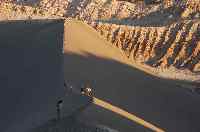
[
  {"x": 115, "y": 80},
  {"x": 139, "y": 30}
]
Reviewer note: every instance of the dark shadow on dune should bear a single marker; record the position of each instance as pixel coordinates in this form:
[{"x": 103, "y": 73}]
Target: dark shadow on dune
[
  {"x": 159, "y": 101},
  {"x": 68, "y": 124},
  {"x": 155, "y": 19},
  {"x": 31, "y": 72},
  {"x": 73, "y": 105}
]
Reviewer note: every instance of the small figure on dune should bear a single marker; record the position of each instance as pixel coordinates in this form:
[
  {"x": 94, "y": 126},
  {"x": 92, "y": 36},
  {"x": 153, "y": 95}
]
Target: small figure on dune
[
  {"x": 87, "y": 90},
  {"x": 58, "y": 109}
]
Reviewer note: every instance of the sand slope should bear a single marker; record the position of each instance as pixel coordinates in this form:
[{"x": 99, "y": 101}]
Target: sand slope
[
  {"x": 115, "y": 80},
  {"x": 81, "y": 39},
  {"x": 139, "y": 30}
]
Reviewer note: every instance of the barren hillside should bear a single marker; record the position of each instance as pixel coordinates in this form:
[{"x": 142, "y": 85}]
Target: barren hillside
[
  {"x": 164, "y": 36},
  {"x": 176, "y": 45}
]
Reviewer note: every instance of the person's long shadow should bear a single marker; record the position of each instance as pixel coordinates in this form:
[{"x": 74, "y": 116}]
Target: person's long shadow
[{"x": 157, "y": 100}]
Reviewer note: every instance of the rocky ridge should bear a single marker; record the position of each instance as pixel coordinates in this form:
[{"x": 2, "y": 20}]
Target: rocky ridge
[{"x": 162, "y": 36}]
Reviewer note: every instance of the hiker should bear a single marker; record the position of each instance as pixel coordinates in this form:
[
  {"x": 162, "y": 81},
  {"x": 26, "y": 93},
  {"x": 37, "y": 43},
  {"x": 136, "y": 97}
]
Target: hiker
[
  {"x": 87, "y": 90},
  {"x": 58, "y": 109}
]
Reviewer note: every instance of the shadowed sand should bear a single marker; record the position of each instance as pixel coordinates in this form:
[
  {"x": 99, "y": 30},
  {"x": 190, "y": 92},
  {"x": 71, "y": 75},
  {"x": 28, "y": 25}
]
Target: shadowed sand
[
  {"x": 115, "y": 80},
  {"x": 31, "y": 72},
  {"x": 126, "y": 114}
]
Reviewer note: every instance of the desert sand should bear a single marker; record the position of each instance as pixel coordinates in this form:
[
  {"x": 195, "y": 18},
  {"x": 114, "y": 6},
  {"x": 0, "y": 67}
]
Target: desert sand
[
  {"x": 104, "y": 61},
  {"x": 162, "y": 37},
  {"x": 164, "y": 103}
]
